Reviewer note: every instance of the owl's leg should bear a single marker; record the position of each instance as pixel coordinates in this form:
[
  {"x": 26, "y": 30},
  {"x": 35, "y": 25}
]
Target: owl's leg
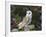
[{"x": 26, "y": 28}]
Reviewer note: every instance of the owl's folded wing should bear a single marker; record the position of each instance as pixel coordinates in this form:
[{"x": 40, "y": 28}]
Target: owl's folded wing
[{"x": 23, "y": 23}]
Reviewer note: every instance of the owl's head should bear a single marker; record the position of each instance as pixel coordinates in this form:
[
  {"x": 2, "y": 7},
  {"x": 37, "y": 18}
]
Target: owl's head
[{"x": 28, "y": 13}]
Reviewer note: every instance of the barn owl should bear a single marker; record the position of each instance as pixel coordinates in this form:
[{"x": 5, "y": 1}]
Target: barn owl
[{"x": 26, "y": 20}]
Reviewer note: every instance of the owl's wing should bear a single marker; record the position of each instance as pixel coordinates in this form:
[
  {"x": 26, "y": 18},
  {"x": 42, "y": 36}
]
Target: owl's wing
[
  {"x": 25, "y": 19},
  {"x": 23, "y": 23}
]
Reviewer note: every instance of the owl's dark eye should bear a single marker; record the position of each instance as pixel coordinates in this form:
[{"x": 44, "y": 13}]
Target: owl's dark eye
[{"x": 29, "y": 13}]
